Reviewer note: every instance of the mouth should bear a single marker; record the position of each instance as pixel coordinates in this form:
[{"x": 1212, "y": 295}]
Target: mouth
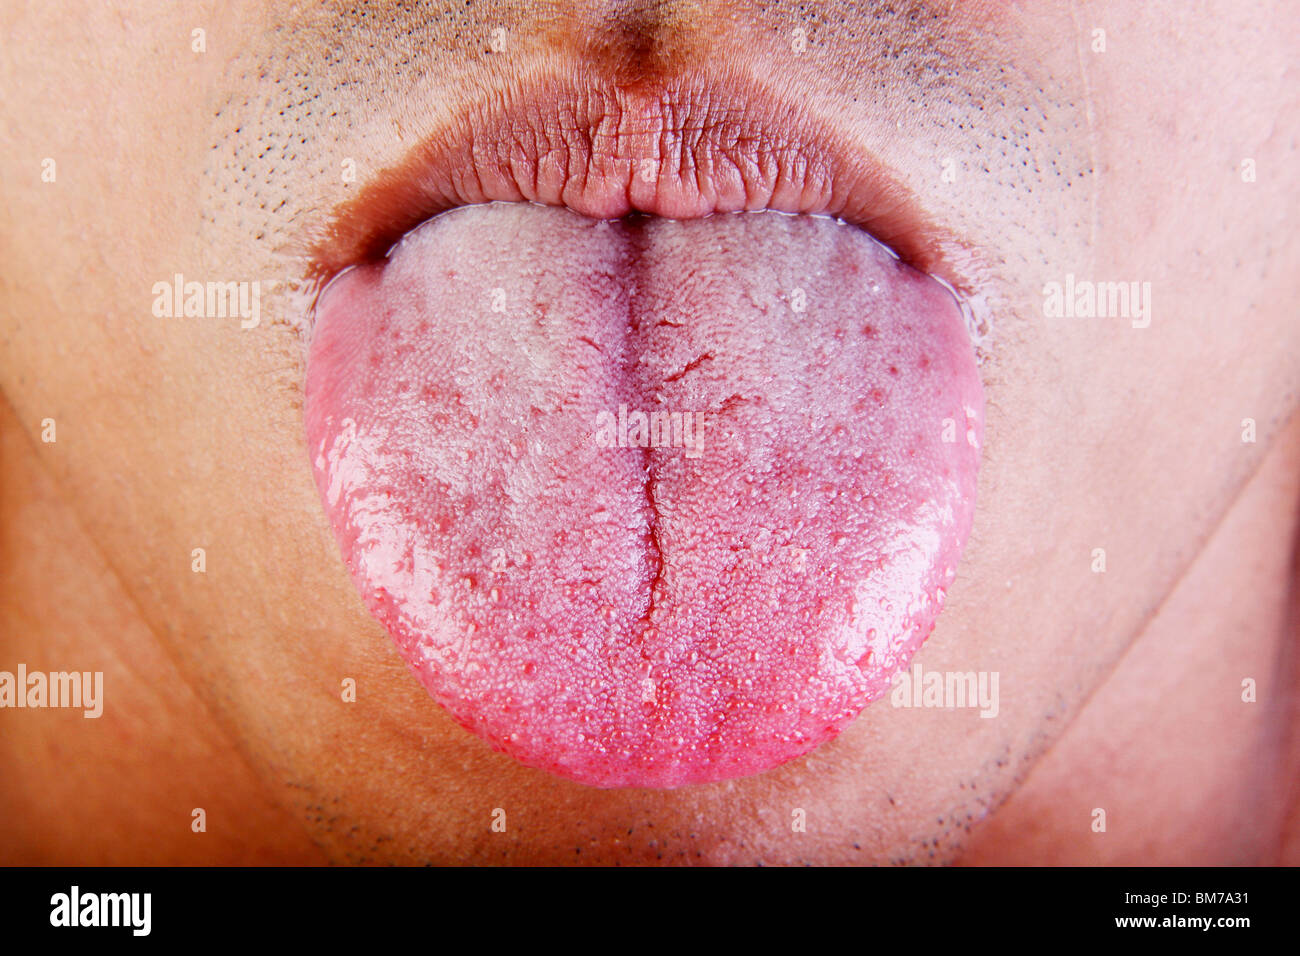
[
  {"x": 646, "y": 492},
  {"x": 681, "y": 150}
]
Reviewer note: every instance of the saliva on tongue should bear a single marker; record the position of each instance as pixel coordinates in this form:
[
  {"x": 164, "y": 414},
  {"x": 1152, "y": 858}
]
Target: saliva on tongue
[{"x": 646, "y": 502}]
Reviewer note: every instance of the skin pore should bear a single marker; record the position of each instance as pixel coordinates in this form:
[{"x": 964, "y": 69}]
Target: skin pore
[{"x": 1119, "y": 690}]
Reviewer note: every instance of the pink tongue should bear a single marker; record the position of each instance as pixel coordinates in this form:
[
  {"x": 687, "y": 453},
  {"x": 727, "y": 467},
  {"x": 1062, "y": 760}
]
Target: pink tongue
[{"x": 497, "y": 416}]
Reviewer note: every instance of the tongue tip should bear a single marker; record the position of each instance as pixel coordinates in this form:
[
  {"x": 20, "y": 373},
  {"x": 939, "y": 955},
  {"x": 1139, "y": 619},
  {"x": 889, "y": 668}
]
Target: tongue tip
[{"x": 749, "y": 734}]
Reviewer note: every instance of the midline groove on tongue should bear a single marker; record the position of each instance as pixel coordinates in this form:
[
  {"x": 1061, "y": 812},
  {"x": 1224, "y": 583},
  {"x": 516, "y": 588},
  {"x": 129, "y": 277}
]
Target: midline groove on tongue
[
  {"x": 664, "y": 618},
  {"x": 631, "y": 235}
]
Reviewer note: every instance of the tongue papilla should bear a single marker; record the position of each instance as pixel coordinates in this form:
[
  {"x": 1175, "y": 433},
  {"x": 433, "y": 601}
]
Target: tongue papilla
[{"x": 646, "y": 502}]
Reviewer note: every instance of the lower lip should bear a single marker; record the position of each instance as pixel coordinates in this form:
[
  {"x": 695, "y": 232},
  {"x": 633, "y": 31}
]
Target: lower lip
[{"x": 698, "y": 594}]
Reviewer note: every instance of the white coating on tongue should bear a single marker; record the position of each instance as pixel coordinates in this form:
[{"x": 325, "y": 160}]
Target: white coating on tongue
[{"x": 646, "y": 616}]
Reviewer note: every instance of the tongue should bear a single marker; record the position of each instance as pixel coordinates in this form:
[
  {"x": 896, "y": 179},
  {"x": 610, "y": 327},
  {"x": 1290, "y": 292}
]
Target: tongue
[{"x": 646, "y": 502}]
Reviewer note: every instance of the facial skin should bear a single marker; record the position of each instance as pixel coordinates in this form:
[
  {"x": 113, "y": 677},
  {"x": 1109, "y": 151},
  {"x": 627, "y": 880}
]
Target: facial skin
[{"x": 223, "y": 688}]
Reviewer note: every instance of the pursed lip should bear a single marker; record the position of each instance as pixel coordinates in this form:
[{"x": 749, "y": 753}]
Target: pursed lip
[{"x": 681, "y": 147}]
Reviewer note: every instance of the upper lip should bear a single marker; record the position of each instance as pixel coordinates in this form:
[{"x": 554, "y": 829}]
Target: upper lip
[{"x": 682, "y": 147}]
